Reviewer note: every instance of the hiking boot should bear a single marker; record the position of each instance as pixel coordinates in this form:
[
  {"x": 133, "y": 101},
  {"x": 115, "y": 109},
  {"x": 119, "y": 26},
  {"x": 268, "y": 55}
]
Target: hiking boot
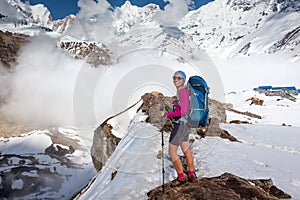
[
  {"x": 192, "y": 179},
  {"x": 177, "y": 182}
]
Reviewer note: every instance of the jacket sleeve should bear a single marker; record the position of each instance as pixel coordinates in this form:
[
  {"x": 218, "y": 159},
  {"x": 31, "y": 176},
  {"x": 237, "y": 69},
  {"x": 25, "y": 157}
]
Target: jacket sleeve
[{"x": 184, "y": 101}]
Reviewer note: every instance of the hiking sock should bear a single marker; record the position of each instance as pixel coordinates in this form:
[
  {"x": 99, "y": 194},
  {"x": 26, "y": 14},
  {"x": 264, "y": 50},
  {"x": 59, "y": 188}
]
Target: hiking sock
[
  {"x": 191, "y": 173},
  {"x": 191, "y": 176},
  {"x": 180, "y": 176}
]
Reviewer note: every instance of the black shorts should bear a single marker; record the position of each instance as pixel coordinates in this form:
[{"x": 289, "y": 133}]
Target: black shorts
[{"x": 179, "y": 134}]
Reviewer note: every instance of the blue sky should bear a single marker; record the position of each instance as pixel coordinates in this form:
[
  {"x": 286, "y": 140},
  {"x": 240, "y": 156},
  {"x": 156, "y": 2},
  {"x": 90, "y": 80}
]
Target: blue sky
[{"x": 61, "y": 8}]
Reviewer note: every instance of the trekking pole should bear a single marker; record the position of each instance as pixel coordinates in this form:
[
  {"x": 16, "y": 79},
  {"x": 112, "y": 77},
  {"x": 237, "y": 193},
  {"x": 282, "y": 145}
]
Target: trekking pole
[
  {"x": 162, "y": 108},
  {"x": 162, "y": 161}
]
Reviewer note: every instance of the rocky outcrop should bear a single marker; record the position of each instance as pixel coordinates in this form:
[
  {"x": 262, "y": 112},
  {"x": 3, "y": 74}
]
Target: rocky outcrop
[
  {"x": 94, "y": 53},
  {"x": 247, "y": 113},
  {"x": 9, "y": 48},
  {"x": 255, "y": 101},
  {"x": 217, "y": 110},
  {"x": 104, "y": 144},
  {"x": 217, "y": 115},
  {"x": 224, "y": 187},
  {"x": 155, "y": 102},
  {"x": 238, "y": 122}
]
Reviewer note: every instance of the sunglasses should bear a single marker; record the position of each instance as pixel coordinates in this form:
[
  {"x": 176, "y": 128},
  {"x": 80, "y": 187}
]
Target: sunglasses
[{"x": 178, "y": 78}]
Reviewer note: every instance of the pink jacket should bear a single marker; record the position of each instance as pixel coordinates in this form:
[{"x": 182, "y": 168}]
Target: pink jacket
[{"x": 184, "y": 105}]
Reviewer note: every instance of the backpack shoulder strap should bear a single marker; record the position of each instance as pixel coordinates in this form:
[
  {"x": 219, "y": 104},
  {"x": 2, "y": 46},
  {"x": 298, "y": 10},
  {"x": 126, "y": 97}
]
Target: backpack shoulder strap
[{"x": 178, "y": 93}]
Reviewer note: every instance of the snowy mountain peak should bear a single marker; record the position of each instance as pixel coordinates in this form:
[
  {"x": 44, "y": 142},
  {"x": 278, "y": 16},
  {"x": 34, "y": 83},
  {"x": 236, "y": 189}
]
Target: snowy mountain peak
[
  {"x": 127, "y": 16},
  {"x": 230, "y": 28},
  {"x": 127, "y": 4},
  {"x": 61, "y": 26},
  {"x": 36, "y": 14}
]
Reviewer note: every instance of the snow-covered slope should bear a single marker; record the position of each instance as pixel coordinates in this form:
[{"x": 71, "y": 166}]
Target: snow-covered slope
[
  {"x": 44, "y": 164},
  {"x": 265, "y": 151},
  {"x": 28, "y": 19},
  {"x": 134, "y": 163},
  {"x": 37, "y": 14},
  {"x": 274, "y": 111},
  {"x": 244, "y": 27}
]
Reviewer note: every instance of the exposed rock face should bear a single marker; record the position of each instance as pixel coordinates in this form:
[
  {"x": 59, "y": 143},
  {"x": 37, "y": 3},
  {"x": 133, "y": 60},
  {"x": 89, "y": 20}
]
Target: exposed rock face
[
  {"x": 289, "y": 41},
  {"x": 104, "y": 144},
  {"x": 217, "y": 115},
  {"x": 9, "y": 48},
  {"x": 226, "y": 186},
  {"x": 217, "y": 110},
  {"x": 155, "y": 102},
  {"x": 94, "y": 53},
  {"x": 60, "y": 26}
]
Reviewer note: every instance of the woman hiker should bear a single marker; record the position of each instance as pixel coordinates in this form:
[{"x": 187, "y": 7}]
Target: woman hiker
[{"x": 180, "y": 132}]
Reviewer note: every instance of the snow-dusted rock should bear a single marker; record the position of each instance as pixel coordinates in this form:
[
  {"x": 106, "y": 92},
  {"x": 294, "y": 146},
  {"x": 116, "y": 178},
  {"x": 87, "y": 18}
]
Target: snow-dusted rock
[
  {"x": 94, "y": 53},
  {"x": 37, "y": 14},
  {"x": 224, "y": 187},
  {"x": 61, "y": 26},
  {"x": 47, "y": 164}
]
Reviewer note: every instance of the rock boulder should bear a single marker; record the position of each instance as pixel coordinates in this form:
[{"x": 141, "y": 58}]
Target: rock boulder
[
  {"x": 224, "y": 187},
  {"x": 104, "y": 144}
]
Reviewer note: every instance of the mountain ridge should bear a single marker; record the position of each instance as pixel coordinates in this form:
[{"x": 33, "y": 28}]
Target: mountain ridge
[{"x": 224, "y": 28}]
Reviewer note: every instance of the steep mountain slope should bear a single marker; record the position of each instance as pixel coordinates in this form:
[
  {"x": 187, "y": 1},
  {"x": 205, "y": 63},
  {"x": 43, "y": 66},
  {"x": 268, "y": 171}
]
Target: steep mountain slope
[
  {"x": 37, "y": 14},
  {"x": 245, "y": 27},
  {"x": 9, "y": 48},
  {"x": 25, "y": 19}
]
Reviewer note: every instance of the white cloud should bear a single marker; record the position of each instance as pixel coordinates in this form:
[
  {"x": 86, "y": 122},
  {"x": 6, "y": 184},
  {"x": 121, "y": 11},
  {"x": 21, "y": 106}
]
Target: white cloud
[
  {"x": 95, "y": 20},
  {"x": 172, "y": 14},
  {"x": 40, "y": 91},
  {"x": 4, "y": 84}
]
